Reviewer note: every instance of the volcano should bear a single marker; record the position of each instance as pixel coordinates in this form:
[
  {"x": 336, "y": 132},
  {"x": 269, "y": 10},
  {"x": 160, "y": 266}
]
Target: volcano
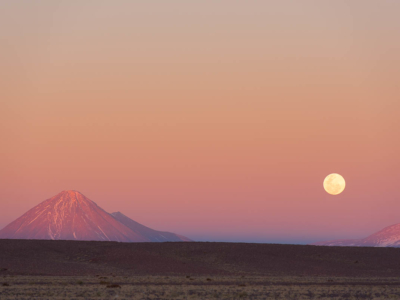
[
  {"x": 71, "y": 216},
  {"x": 387, "y": 237}
]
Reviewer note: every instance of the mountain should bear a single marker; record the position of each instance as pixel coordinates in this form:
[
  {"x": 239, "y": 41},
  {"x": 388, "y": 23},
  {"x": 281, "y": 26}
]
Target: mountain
[
  {"x": 387, "y": 237},
  {"x": 71, "y": 216},
  {"x": 150, "y": 234}
]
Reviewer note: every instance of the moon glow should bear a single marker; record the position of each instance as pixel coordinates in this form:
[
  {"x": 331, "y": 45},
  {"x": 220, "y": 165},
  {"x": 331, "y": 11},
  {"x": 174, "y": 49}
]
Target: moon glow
[{"x": 334, "y": 184}]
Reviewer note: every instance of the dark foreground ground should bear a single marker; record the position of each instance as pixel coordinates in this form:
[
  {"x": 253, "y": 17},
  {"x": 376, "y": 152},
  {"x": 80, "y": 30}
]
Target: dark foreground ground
[
  {"x": 77, "y": 258},
  {"x": 197, "y": 287},
  {"x": 97, "y": 270}
]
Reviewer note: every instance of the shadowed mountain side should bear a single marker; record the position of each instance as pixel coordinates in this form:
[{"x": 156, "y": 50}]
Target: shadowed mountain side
[
  {"x": 150, "y": 234},
  {"x": 41, "y": 257},
  {"x": 338, "y": 243}
]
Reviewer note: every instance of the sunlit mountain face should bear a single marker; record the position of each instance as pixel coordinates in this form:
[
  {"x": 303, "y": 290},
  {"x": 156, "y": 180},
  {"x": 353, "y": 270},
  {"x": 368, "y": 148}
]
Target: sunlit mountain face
[
  {"x": 387, "y": 237},
  {"x": 71, "y": 216}
]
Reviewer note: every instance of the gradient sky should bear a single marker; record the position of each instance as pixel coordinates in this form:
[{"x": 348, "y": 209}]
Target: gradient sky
[{"x": 218, "y": 120}]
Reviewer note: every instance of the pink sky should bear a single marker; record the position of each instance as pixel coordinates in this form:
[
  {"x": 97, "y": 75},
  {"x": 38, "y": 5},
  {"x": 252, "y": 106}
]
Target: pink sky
[{"x": 218, "y": 121}]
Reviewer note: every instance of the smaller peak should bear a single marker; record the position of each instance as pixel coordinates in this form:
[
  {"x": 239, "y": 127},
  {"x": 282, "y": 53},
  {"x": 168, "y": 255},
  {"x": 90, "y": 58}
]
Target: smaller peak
[{"x": 117, "y": 213}]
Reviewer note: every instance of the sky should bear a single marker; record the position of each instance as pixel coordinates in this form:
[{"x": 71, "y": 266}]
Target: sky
[{"x": 217, "y": 120}]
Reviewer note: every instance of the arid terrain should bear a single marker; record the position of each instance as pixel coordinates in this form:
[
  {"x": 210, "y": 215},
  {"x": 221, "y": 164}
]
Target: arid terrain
[
  {"x": 192, "y": 270},
  {"x": 196, "y": 287}
]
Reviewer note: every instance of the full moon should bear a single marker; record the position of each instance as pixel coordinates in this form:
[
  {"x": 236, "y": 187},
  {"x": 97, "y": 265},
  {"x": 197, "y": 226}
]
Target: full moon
[{"x": 334, "y": 184}]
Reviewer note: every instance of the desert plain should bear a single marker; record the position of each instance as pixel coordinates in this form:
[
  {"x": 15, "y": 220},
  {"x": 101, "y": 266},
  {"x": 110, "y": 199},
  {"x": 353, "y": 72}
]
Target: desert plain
[{"x": 40, "y": 269}]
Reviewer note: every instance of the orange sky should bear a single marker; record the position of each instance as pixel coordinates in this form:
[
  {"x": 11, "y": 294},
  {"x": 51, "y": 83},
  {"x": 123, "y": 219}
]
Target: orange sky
[{"x": 218, "y": 121}]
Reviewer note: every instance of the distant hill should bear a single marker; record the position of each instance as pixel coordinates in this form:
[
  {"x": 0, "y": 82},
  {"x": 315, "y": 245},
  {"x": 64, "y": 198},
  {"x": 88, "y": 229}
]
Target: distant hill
[
  {"x": 387, "y": 237},
  {"x": 71, "y": 216}
]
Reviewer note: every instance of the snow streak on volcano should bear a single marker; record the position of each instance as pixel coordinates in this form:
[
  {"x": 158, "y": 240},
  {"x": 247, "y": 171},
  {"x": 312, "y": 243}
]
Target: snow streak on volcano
[{"x": 71, "y": 216}]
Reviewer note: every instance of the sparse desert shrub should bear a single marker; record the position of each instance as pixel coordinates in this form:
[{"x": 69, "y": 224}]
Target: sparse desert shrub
[
  {"x": 242, "y": 284},
  {"x": 209, "y": 279},
  {"x": 175, "y": 294},
  {"x": 113, "y": 286},
  {"x": 5, "y": 284},
  {"x": 104, "y": 282},
  {"x": 79, "y": 282}
]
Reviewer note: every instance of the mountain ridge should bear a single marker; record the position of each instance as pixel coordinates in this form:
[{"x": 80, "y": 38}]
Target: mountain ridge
[
  {"x": 70, "y": 215},
  {"x": 386, "y": 237},
  {"x": 151, "y": 234}
]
